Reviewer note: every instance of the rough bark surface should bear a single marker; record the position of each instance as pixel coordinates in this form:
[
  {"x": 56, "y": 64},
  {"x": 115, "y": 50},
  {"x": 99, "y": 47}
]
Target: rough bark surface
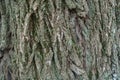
[{"x": 59, "y": 39}]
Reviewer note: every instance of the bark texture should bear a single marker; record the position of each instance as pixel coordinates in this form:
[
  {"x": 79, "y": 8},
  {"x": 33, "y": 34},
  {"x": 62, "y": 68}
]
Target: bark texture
[{"x": 59, "y": 39}]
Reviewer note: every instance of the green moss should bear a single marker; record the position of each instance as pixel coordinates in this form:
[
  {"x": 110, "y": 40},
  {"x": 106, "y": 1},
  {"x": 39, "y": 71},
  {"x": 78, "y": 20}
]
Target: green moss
[
  {"x": 90, "y": 75},
  {"x": 70, "y": 4}
]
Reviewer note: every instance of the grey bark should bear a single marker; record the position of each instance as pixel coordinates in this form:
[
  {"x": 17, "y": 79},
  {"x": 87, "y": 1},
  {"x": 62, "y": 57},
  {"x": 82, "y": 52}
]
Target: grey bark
[{"x": 59, "y": 40}]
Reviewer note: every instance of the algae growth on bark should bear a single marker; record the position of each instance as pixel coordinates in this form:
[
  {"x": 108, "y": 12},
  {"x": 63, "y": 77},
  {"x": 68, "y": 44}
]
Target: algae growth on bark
[{"x": 59, "y": 39}]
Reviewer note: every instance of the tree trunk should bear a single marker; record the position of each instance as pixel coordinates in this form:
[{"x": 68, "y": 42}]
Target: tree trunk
[{"x": 59, "y": 39}]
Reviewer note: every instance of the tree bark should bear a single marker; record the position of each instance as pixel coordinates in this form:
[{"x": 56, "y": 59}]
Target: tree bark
[{"x": 59, "y": 40}]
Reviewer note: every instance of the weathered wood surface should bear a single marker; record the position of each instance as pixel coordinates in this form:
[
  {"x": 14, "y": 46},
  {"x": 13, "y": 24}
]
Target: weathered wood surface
[{"x": 60, "y": 39}]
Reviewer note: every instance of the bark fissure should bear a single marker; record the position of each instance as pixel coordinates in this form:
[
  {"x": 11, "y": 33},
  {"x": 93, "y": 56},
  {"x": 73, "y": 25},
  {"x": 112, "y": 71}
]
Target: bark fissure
[{"x": 60, "y": 39}]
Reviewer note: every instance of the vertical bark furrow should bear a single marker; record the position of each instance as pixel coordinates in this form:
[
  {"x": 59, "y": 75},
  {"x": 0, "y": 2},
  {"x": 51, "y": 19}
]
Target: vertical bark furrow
[{"x": 60, "y": 39}]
